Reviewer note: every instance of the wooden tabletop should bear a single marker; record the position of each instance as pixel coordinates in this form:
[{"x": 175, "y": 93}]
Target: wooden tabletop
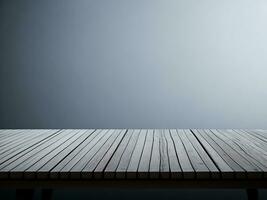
[{"x": 133, "y": 154}]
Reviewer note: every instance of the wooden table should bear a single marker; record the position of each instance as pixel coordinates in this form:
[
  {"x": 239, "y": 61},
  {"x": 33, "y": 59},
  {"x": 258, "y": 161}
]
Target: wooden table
[{"x": 133, "y": 158}]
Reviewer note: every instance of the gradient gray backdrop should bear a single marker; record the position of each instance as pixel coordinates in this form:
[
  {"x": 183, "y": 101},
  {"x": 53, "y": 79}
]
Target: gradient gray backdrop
[
  {"x": 140, "y": 63},
  {"x": 134, "y": 64}
]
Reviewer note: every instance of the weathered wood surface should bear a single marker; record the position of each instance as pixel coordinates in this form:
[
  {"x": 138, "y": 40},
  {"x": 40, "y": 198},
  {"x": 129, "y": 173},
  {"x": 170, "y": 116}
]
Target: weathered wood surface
[{"x": 82, "y": 154}]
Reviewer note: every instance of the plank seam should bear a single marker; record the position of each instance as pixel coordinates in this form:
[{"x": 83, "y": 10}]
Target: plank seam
[
  {"x": 193, "y": 167},
  {"x": 206, "y": 152},
  {"x": 112, "y": 153},
  {"x": 175, "y": 151},
  {"x": 72, "y": 149},
  {"x": 22, "y": 152},
  {"x": 123, "y": 152}
]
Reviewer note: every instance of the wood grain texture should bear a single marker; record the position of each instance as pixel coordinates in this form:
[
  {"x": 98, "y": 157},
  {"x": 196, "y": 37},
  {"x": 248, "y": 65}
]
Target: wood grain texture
[{"x": 184, "y": 154}]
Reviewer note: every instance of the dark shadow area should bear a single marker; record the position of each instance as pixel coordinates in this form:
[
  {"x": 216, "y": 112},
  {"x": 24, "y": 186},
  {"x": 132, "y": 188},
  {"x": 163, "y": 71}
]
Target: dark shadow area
[{"x": 159, "y": 194}]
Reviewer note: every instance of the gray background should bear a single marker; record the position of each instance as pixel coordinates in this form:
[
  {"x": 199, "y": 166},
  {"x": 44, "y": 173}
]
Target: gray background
[{"x": 135, "y": 64}]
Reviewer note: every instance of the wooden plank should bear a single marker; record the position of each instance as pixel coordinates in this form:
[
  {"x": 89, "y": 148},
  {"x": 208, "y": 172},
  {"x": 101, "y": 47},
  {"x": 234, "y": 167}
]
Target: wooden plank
[
  {"x": 202, "y": 171},
  {"x": 65, "y": 172},
  {"x": 31, "y": 161},
  {"x": 15, "y": 151},
  {"x": 154, "y": 166},
  {"x": 2, "y": 131},
  {"x": 186, "y": 166},
  {"x": 18, "y": 166},
  {"x": 214, "y": 171},
  {"x": 110, "y": 169},
  {"x": 136, "y": 156},
  {"x": 260, "y": 130},
  {"x": 28, "y": 167},
  {"x": 261, "y": 142},
  {"x": 251, "y": 171},
  {"x": 23, "y": 136},
  {"x": 75, "y": 172},
  {"x": 44, "y": 171},
  {"x": 133, "y": 154},
  {"x": 8, "y": 133},
  {"x": 241, "y": 152},
  {"x": 254, "y": 138},
  {"x": 164, "y": 159},
  {"x": 7, "y": 143},
  {"x": 175, "y": 169},
  {"x": 61, "y": 170},
  {"x": 14, "y": 138},
  {"x": 248, "y": 139},
  {"x": 246, "y": 151},
  {"x": 51, "y": 158},
  {"x": 226, "y": 171},
  {"x": 16, "y": 134},
  {"x": 261, "y": 134},
  {"x": 88, "y": 170},
  {"x": 241, "y": 137},
  {"x": 143, "y": 168},
  {"x": 20, "y": 143},
  {"x": 239, "y": 172},
  {"x": 99, "y": 170},
  {"x": 20, "y": 152},
  {"x": 126, "y": 157}
]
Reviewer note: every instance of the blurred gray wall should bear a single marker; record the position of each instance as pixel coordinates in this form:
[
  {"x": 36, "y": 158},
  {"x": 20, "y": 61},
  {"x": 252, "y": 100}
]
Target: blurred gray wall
[{"x": 141, "y": 63}]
